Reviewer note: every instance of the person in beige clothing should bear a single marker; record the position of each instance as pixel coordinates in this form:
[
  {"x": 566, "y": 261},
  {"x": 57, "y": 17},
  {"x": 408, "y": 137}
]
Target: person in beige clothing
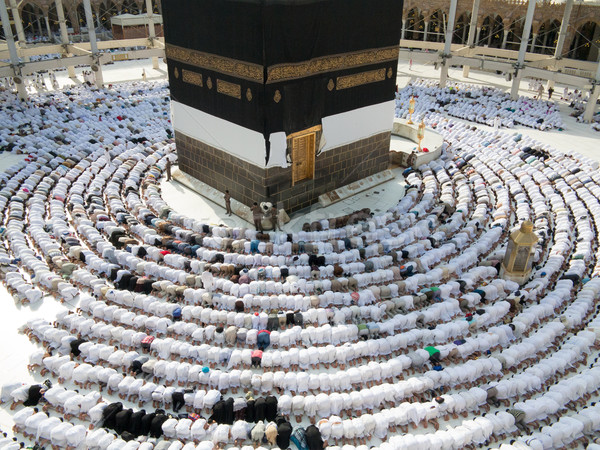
[{"x": 271, "y": 433}]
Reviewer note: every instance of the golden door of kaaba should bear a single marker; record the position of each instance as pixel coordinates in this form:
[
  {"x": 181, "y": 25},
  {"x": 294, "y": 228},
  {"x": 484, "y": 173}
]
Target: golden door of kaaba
[{"x": 303, "y": 154}]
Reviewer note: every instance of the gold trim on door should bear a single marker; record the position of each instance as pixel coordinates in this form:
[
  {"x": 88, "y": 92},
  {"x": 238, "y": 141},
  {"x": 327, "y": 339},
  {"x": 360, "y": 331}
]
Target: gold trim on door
[{"x": 303, "y": 144}]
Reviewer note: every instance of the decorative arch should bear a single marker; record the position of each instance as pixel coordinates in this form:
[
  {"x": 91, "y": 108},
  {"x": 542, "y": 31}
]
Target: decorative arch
[
  {"x": 435, "y": 29},
  {"x": 583, "y": 42},
  {"x": 461, "y": 30},
  {"x": 547, "y": 37},
  {"x": 492, "y": 32},
  {"x": 414, "y": 25},
  {"x": 106, "y": 11},
  {"x": 129, "y": 7},
  {"x": 32, "y": 17}
]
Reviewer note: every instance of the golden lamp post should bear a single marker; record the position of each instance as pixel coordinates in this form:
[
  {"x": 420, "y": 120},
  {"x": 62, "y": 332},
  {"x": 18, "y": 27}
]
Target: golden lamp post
[
  {"x": 518, "y": 258},
  {"x": 420, "y": 134},
  {"x": 411, "y": 109}
]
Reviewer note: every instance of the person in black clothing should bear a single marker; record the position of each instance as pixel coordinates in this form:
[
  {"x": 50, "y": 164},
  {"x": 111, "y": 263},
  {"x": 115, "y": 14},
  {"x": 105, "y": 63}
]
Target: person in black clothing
[
  {"x": 218, "y": 412},
  {"x": 313, "y": 438},
  {"x": 250, "y": 407},
  {"x": 270, "y": 408},
  {"x": 135, "y": 422},
  {"x": 259, "y": 409},
  {"x": 284, "y": 432},
  {"x": 228, "y": 411},
  {"x": 178, "y": 400},
  {"x": 127, "y": 436},
  {"x": 109, "y": 413},
  {"x": 34, "y": 395},
  {"x": 122, "y": 419},
  {"x": 75, "y": 346},
  {"x": 146, "y": 423},
  {"x": 156, "y": 426},
  {"x": 136, "y": 365}
]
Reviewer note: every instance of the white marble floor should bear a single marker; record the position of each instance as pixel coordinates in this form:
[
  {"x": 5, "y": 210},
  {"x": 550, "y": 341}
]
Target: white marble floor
[{"x": 15, "y": 348}]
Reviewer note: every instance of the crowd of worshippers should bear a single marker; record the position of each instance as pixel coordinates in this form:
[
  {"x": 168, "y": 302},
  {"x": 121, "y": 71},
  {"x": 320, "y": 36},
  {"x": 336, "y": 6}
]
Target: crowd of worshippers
[
  {"x": 409, "y": 291},
  {"x": 480, "y": 104},
  {"x": 578, "y": 100}
]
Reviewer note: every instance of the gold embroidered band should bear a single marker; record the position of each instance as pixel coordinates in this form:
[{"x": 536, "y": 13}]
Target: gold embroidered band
[
  {"x": 281, "y": 72},
  {"x": 350, "y": 81},
  {"x": 227, "y": 88},
  {"x": 233, "y": 67},
  {"x": 192, "y": 77}
]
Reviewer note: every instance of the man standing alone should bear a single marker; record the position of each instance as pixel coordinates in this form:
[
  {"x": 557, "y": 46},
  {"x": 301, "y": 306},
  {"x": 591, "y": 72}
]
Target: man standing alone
[
  {"x": 257, "y": 216},
  {"x": 168, "y": 170},
  {"x": 227, "y": 202}
]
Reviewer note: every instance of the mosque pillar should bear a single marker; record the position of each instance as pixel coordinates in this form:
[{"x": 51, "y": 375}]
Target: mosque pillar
[
  {"x": 403, "y": 29},
  {"x": 504, "y": 39},
  {"x": 39, "y": 26},
  {"x": 96, "y": 67},
  {"x": 448, "y": 43},
  {"x": 18, "y": 26},
  {"x": 506, "y": 33},
  {"x": 533, "y": 39},
  {"x": 514, "y": 91},
  {"x": 472, "y": 32},
  {"x": 12, "y": 51},
  {"x": 64, "y": 35},
  {"x": 47, "y": 20},
  {"x": 564, "y": 28},
  {"x": 590, "y": 107},
  {"x": 151, "y": 30},
  {"x": 477, "y": 37},
  {"x": 18, "y": 22},
  {"x": 425, "y": 30}
]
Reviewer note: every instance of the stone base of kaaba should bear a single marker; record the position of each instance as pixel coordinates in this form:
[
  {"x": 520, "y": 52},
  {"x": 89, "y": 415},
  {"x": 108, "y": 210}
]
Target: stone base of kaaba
[{"x": 248, "y": 183}]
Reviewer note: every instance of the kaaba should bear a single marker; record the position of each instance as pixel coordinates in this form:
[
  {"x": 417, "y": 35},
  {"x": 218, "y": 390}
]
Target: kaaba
[{"x": 282, "y": 100}]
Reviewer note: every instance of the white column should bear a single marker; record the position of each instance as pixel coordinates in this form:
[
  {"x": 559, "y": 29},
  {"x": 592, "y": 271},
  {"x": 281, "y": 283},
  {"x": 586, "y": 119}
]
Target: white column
[
  {"x": 93, "y": 44},
  {"x": 533, "y": 39},
  {"x": 564, "y": 27},
  {"x": 151, "y": 30},
  {"x": 448, "y": 43},
  {"x": 39, "y": 26},
  {"x": 425, "y": 30},
  {"x": 472, "y": 32},
  {"x": 590, "y": 108},
  {"x": 64, "y": 35},
  {"x": 18, "y": 22},
  {"x": 403, "y": 29},
  {"x": 48, "y": 27},
  {"x": 12, "y": 50},
  {"x": 505, "y": 37},
  {"x": 514, "y": 92}
]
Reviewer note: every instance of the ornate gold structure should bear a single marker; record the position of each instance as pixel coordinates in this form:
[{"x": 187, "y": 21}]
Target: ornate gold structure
[
  {"x": 420, "y": 134},
  {"x": 518, "y": 259},
  {"x": 411, "y": 109}
]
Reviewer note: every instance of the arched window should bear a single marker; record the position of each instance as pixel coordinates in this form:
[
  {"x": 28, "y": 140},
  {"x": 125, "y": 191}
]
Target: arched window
[
  {"x": 435, "y": 30},
  {"x": 461, "y": 30},
  {"x": 414, "y": 25},
  {"x": 583, "y": 42}
]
